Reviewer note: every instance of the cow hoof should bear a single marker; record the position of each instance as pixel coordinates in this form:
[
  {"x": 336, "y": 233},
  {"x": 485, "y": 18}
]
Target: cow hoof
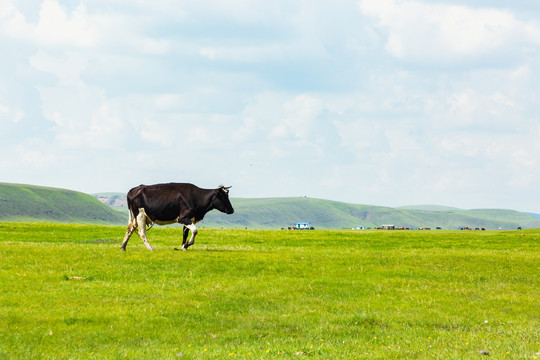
[{"x": 123, "y": 249}]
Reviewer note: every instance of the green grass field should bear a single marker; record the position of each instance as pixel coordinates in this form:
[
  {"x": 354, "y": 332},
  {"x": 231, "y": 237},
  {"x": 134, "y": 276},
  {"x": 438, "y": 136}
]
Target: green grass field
[{"x": 68, "y": 292}]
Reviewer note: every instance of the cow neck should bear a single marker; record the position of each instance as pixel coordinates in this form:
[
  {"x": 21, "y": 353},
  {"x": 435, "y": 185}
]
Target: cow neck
[{"x": 210, "y": 203}]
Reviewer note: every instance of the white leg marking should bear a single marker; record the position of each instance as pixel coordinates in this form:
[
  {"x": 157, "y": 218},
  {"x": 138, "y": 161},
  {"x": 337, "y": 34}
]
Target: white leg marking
[
  {"x": 130, "y": 229},
  {"x": 132, "y": 225},
  {"x": 191, "y": 241},
  {"x": 141, "y": 222}
]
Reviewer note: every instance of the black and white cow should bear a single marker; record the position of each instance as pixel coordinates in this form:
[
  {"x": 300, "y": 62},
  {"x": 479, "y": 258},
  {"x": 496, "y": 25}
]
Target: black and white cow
[{"x": 171, "y": 203}]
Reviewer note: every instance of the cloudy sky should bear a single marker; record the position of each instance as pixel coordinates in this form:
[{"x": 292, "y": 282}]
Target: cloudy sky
[{"x": 383, "y": 102}]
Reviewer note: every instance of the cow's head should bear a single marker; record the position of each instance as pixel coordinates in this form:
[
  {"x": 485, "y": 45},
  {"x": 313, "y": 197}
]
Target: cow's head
[{"x": 221, "y": 200}]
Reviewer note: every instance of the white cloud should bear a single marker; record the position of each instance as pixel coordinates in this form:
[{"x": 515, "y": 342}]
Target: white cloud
[
  {"x": 247, "y": 54},
  {"x": 68, "y": 68},
  {"x": 469, "y": 108},
  {"x": 56, "y": 27},
  {"x": 13, "y": 22},
  {"x": 33, "y": 153},
  {"x": 37, "y": 159},
  {"x": 190, "y": 133},
  {"x": 83, "y": 117},
  {"x": 6, "y": 8},
  {"x": 362, "y": 135},
  {"x": 298, "y": 118},
  {"x": 441, "y": 33},
  {"x": 10, "y": 118},
  {"x": 9, "y": 115},
  {"x": 524, "y": 157}
]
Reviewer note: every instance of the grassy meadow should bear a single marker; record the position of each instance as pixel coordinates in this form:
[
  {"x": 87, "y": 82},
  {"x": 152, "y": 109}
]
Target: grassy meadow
[{"x": 68, "y": 292}]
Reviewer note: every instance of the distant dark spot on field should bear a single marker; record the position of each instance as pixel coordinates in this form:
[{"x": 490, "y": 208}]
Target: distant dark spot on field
[
  {"x": 77, "y": 278},
  {"x": 366, "y": 321},
  {"x": 73, "y": 320}
]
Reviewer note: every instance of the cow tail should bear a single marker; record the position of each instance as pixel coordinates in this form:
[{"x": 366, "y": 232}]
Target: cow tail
[
  {"x": 130, "y": 198},
  {"x": 130, "y": 209},
  {"x": 132, "y": 216}
]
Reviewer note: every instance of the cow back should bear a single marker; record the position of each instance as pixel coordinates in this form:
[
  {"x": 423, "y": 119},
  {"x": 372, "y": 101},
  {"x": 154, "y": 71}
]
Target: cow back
[{"x": 166, "y": 202}]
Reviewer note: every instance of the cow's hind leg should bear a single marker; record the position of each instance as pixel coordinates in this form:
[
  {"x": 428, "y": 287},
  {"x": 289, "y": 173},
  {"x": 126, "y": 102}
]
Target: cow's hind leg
[
  {"x": 132, "y": 225},
  {"x": 141, "y": 222},
  {"x": 191, "y": 227}
]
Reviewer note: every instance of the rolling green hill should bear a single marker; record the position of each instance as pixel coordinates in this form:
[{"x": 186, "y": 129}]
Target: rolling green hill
[
  {"x": 29, "y": 203},
  {"x": 429, "y": 208},
  {"x": 326, "y": 214},
  {"x": 275, "y": 213}
]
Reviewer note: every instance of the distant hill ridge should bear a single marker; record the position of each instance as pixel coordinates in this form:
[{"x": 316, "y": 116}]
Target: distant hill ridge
[
  {"x": 275, "y": 213},
  {"x": 327, "y": 214},
  {"x": 30, "y": 203}
]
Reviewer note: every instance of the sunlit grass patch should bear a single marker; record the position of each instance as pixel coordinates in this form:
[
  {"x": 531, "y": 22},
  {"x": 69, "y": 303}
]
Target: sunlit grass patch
[{"x": 70, "y": 292}]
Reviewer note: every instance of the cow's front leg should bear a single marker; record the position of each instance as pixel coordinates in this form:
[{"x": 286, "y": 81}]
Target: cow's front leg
[
  {"x": 189, "y": 226},
  {"x": 184, "y": 235},
  {"x": 194, "y": 232}
]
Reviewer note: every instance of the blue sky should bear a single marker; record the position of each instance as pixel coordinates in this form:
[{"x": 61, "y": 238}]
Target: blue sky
[{"x": 384, "y": 102}]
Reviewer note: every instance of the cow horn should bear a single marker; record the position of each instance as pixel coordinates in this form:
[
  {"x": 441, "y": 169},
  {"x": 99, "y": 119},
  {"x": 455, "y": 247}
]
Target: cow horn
[{"x": 226, "y": 187}]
